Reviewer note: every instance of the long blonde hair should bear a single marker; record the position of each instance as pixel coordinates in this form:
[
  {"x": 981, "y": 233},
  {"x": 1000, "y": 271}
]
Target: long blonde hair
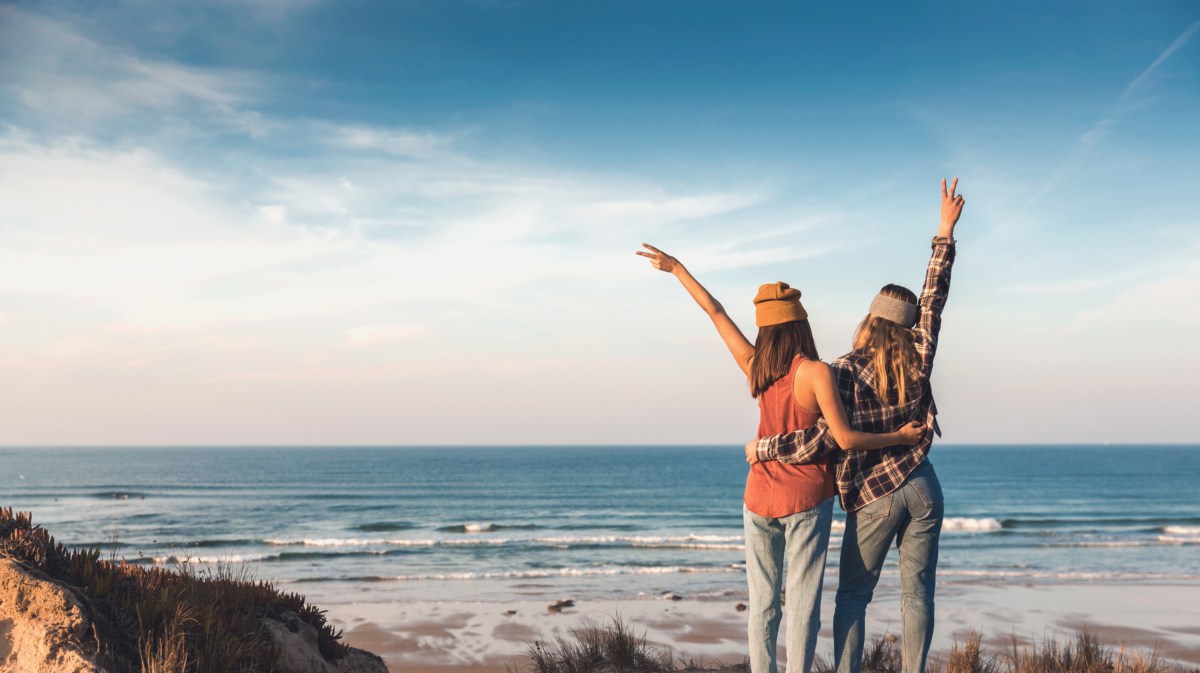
[{"x": 891, "y": 348}]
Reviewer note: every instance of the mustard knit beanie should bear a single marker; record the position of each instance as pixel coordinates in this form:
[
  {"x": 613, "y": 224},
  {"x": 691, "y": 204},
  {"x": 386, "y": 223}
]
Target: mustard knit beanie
[{"x": 777, "y": 303}]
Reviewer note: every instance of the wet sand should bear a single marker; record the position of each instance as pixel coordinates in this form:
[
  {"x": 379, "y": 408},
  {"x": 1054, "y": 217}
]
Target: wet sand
[{"x": 467, "y": 637}]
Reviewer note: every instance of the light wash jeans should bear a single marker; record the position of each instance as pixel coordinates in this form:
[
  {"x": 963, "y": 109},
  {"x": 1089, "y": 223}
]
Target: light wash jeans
[
  {"x": 912, "y": 516},
  {"x": 802, "y": 539}
]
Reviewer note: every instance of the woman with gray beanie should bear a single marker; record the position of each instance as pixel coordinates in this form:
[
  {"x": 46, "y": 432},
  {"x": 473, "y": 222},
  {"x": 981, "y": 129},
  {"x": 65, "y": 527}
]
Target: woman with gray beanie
[
  {"x": 788, "y": 509},
  {"x": 891, "y": 495}
]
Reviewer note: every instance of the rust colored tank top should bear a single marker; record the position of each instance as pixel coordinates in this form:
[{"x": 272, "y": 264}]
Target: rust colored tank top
[{"x": 775, "y": 489}]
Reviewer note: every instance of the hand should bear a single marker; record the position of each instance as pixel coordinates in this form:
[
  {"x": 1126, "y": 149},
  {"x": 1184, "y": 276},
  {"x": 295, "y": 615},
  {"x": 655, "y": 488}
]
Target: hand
[
  {"x": 752, "y": 452},
  {"x": 911, "y": 433},
  {"x": 951, "y": 209},
  {"x": 659, "y": 259}
]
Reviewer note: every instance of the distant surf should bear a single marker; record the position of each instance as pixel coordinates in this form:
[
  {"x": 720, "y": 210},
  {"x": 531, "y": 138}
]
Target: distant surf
[{"x": 493, "y": 523}]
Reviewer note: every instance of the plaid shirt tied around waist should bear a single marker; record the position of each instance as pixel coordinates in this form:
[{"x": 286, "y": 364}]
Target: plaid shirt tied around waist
[{"x": 866, "y": 476}]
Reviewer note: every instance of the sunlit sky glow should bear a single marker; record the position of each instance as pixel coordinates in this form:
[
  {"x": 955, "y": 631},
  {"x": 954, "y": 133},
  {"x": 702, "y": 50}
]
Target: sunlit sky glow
[{"x": 309, "y": 222}]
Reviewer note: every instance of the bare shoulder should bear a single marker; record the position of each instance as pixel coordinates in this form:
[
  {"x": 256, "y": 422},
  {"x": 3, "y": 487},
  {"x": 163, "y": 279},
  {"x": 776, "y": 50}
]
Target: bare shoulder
[
  {"x": 814, "y": 370},
  {"x": 816, "y": 367}
]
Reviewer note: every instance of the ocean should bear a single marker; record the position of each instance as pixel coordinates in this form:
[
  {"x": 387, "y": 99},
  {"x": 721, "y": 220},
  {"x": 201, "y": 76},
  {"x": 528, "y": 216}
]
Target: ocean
[{"x": 519, "y": 523}]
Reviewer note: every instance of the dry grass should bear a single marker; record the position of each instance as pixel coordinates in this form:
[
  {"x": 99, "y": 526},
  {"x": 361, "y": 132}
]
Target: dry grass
[
  {"x": 593, "y": 648},
  {"x": 158, "y": 620},
  {"x": 610, "y": 648},
  {"x": 617, "y": 648},
  {"x": 167, "y": 652},
  {"x": 1084, "y": 654}
]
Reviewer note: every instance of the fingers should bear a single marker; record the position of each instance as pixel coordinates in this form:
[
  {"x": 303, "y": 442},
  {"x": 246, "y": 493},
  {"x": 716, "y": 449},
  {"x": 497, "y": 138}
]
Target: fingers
[
  {"x": 751, "y": 449},
  {"x": 943, "y": 191},
  {"x": 952, "y": 186},
  {"x": 652, "y": 248},
  {"x": 646, "y": 254}
]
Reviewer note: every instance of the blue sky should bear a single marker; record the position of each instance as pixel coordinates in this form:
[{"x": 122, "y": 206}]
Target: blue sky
[{"x": 263, "y": 221}]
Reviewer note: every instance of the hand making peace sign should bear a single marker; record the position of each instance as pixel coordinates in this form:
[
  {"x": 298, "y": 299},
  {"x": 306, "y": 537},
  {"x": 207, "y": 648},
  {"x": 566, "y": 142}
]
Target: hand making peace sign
[{"x": 951, "y": 209}]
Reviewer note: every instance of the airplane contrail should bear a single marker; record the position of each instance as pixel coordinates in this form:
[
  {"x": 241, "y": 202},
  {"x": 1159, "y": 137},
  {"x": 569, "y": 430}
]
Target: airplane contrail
[{"x": 1102, "y": 126}]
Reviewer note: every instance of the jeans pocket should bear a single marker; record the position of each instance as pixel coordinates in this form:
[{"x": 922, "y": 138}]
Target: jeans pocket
[
  {"x": 927, "y": 488},
  {"x": 876, "y": 509}
]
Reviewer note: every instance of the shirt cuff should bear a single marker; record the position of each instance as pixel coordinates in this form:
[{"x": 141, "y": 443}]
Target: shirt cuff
[
  {"x": 765, "y": 451},
  {"x": 943, "y": 240}
]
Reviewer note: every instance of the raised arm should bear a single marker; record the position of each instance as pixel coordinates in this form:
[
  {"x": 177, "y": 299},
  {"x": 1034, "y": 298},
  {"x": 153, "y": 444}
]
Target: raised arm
[
  {"x": 820, "y": 377},
  {"x": 937, "y": 279},
  {"x": 739, "y": 346}
]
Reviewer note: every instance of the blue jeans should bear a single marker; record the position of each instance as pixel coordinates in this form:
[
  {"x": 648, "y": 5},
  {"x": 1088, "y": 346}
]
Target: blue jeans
[
  {"x": 803, "y": 540},
  {"x": 912, "y": 516}
]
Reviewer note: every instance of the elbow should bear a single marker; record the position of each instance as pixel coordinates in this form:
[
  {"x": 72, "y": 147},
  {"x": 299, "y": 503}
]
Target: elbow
[{"x": 845, "y": 441}]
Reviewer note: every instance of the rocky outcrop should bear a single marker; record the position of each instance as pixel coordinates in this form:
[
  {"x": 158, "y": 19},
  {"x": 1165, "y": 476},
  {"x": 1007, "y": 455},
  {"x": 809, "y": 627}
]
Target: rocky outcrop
[
  {"x": 299, "y": 652},
  {"x": 44, "y": 625}
]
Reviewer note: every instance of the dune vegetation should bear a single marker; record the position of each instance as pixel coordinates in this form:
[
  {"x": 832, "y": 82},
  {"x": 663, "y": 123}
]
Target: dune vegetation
[
  {"x": 618, "y": 647},
  {"x": 184, "y": 619}
]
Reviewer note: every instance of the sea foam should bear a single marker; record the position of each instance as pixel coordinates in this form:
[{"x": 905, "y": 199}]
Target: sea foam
[
  {"x": 685, "y": 541},
  {"x": 541, "y": 573},
  {"x": 969, "y": 525}
]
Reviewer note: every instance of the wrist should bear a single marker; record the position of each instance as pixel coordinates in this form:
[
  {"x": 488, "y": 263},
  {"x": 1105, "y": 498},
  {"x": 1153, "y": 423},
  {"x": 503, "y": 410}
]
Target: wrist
[{"x": 763, "y": 451}]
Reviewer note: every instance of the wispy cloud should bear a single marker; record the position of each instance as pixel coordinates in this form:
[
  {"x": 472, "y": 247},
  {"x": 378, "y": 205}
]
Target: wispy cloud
[
  {"x": 190, "y": 255},
  {"x": 1175, "y": 46},
  {"x": 1105, "y": 125},
  {"x": 414, "y": 144},
  {"x": 314, "y": 264},
  {"x": 61, "y": 75}
]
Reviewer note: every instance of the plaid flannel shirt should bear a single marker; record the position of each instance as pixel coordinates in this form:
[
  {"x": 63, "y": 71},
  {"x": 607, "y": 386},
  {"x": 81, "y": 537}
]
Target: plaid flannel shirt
[{"x": 866, "y": 476}]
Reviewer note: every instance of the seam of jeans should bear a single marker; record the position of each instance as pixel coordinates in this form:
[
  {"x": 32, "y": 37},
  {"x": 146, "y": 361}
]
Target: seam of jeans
[
  {"x": 861, "y": 513},
  {"x": 910, "y": 484},
  {"x": 920, "y": 495}
]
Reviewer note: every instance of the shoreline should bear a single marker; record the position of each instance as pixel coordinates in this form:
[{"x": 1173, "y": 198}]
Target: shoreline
[{"x": 470, "y": 636}]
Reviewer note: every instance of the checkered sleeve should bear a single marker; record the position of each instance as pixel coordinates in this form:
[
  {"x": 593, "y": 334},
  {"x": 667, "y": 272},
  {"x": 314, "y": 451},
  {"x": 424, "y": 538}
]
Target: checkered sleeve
[
  {"x": 814, "y": 443},
  {"x": 932, "y": 301},
  {"x": 810, "y": 445}
]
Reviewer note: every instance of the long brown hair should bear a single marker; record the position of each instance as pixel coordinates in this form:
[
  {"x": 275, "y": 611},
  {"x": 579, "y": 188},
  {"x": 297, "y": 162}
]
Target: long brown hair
[
  {"x": 775, "y": 348},
  {"x": 891, "y": 348}
]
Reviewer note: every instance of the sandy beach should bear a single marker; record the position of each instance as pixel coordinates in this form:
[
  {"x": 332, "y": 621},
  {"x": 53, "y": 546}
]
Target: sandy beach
[{"x": 485, "y": 636}]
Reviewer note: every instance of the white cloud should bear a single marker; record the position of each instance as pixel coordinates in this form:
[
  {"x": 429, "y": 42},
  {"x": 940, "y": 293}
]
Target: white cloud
[
  {"x": 62, "y": 75},
  {"x": 1154, "y": 312},
  {"x": 136, "y": 283},
  {"x": 360, "y": 285},
  {"x": 401, "y": 143}
]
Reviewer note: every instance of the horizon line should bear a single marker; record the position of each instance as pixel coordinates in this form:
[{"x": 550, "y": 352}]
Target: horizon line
[{"x": 547, "y": 445}]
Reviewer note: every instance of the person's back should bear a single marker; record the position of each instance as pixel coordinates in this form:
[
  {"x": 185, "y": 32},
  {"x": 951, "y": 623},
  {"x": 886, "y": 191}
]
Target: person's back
[{"x": 776, "y": 489}]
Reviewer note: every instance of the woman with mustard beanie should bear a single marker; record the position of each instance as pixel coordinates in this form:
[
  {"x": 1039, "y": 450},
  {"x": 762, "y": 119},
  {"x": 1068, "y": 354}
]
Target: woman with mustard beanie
[
  {"x": 788, "y": 508},
  {"x": 889, "y": 496}
]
